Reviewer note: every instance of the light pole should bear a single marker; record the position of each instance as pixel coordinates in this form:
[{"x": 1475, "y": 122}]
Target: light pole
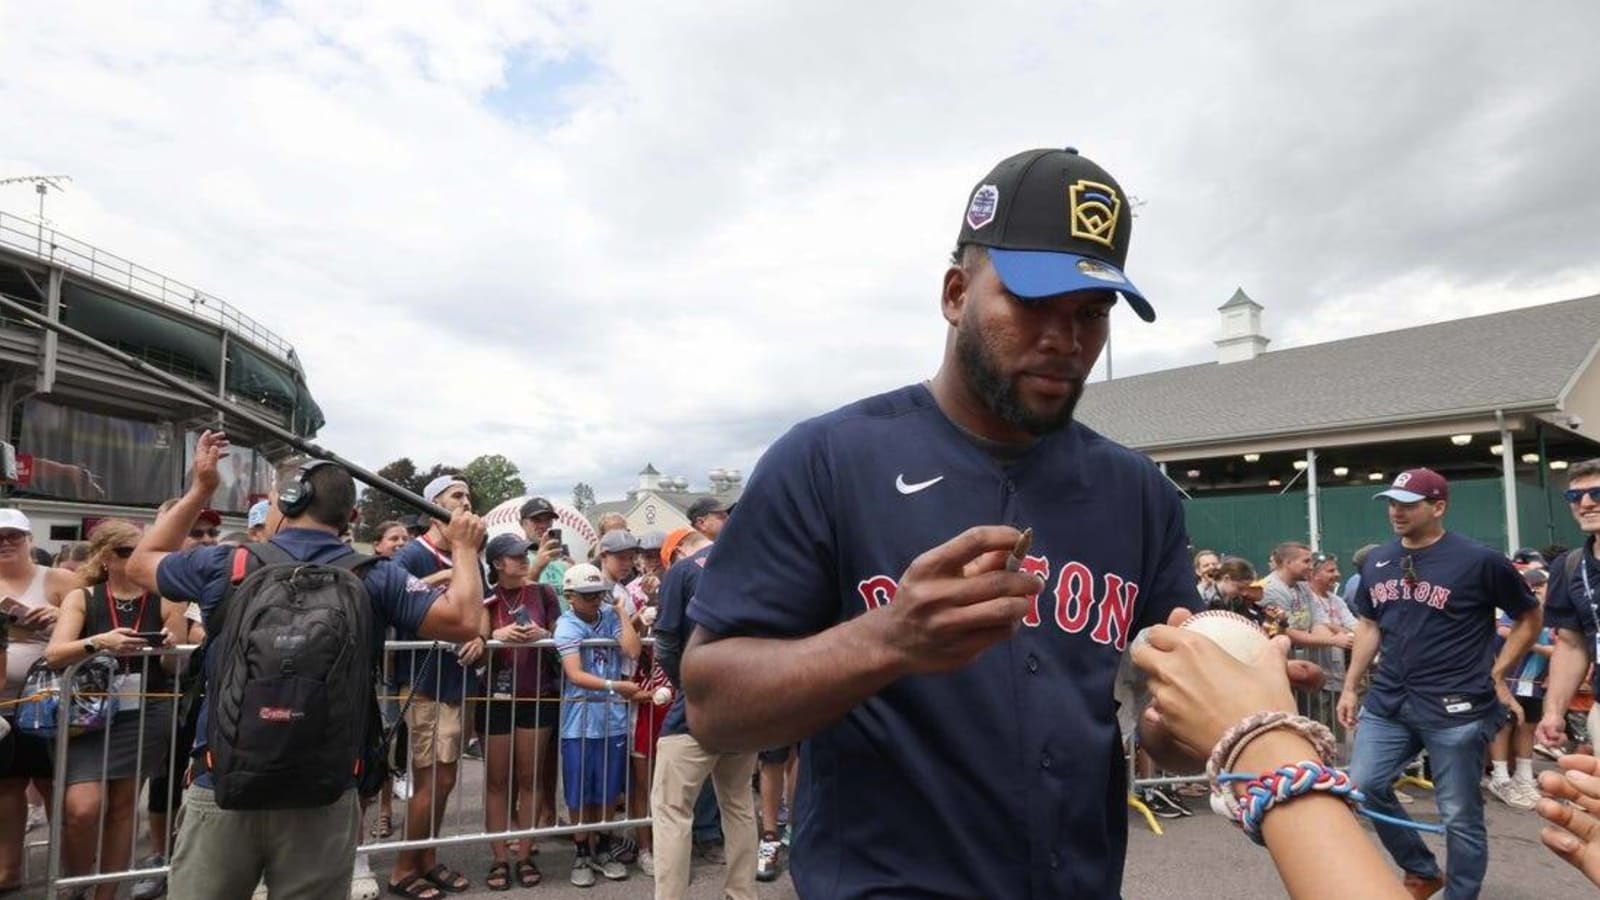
[{"x": 42, "y": 185}]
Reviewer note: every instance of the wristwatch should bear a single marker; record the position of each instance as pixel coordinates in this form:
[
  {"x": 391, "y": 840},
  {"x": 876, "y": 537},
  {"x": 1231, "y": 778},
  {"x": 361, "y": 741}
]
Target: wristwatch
[{"x": 90, "y": 647}]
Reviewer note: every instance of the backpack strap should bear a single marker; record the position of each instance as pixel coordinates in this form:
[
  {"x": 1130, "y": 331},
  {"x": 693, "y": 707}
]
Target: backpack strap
[{"x": 1575, "y": 558}]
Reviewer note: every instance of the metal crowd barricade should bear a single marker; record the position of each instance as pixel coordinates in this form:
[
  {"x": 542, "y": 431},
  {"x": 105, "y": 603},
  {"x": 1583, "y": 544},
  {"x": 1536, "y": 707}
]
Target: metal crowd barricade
[
  {"x": 156, "y": 719},
  {"x": 460, "y": 804}
]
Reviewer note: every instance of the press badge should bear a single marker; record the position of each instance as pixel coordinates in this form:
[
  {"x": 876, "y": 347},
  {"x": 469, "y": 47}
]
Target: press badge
[{"x": 1457, "y": 705}]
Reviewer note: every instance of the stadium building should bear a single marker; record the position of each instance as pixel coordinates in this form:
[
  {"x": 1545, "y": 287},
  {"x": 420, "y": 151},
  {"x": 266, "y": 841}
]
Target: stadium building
[{"x": 89, "y": 438}]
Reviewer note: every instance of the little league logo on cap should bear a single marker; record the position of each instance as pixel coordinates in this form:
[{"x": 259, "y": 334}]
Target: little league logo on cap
[
  {"x": 1053, "y": 223},
  {"x": 1416, "y": 484}
]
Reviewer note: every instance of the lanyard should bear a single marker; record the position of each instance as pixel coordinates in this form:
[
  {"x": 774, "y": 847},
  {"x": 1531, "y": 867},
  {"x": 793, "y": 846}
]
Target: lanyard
[
  {"x": 444, "y": 561},
  {"x": 1588, "y": 592}
]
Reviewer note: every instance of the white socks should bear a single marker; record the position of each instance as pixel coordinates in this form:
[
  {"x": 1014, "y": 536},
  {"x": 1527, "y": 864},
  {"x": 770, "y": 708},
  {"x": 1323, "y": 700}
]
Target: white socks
[
  {"x": 1501, "y": 773},
  {"x": 1524, "y": 769}
]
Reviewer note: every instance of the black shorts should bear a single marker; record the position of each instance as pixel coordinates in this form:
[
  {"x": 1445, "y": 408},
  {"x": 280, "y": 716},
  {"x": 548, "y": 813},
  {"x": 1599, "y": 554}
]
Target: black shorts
[
  {"x": 775, "y": 757},
  {"x": 25, "y": 756},
  {"x": 500, "y": 716},
  {"x": 1532, "y": 709}
]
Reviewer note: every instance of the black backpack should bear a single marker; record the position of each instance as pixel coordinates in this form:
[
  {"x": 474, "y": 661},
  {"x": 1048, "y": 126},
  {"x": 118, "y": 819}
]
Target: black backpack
[{"x": 291, "y": 692}]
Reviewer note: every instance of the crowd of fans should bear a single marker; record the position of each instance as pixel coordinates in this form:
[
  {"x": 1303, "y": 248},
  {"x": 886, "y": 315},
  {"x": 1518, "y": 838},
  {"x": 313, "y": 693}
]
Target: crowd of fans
[{"x": 582, "y": 731}]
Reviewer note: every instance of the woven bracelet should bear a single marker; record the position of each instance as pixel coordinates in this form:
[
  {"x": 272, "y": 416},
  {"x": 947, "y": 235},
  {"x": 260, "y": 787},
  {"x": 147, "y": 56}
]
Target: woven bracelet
[
  {"x": 1233, "y": 742},
  {"x": 1270, "y": 789}
]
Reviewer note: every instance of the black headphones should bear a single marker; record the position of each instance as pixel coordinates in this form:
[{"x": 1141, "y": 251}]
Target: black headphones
[{"x": 295, "y": 497}]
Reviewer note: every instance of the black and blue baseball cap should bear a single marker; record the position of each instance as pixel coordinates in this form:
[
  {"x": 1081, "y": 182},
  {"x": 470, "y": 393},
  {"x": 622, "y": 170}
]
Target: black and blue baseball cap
[{"x": 1054, "y": 222}]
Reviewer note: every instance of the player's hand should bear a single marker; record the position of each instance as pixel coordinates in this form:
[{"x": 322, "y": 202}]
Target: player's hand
[
  {"x": 1552, "y": 730},
  {"x": 209, "y": 451},
  {"x": 1349, "y": 708},
  {"x": 1200, "y": 691},
  {"x": 955, "y": 601},
  {"x": 1509, "y": 701},
  {"x": 465, "y": 533},
  {"x": 1571, "y": 805}
]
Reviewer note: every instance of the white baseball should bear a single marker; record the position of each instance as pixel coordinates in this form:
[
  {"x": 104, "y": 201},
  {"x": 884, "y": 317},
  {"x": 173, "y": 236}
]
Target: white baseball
[
  {"x": 1243, "y": 639},
  {"x": 662, "y": 696}
]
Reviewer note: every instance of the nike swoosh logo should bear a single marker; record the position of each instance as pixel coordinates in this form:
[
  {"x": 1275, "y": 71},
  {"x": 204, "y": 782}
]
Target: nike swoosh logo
[
  {"x": 901, "y": 486},
  {"x": 1382, "y": 564}
]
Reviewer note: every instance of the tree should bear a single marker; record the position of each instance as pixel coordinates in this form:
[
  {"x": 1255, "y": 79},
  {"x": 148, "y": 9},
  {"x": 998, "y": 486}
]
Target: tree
[
  {"x": 494, "y": 480},
  {"x": 582, "y": 497},
  {"x": 377, "y": 507}
]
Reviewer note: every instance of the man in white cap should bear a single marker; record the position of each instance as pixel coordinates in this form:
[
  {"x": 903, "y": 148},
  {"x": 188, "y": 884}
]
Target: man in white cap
[
  {"x": 439, "y": 686},
  {"x": 32, "y": 598}
]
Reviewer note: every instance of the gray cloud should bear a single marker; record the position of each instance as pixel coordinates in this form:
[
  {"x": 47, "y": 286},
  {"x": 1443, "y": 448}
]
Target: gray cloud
[{"x": 712, "y": 221}]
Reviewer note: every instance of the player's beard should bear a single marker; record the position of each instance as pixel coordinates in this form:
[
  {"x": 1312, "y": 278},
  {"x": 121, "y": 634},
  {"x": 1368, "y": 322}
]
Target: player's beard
[{"x": 981, "y": 370}]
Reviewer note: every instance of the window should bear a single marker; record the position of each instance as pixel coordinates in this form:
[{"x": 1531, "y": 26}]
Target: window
[{"x": 71, "y": 454}]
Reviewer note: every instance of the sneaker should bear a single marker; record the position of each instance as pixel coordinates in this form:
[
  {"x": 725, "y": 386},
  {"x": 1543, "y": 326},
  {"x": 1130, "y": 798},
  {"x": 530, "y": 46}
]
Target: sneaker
[
  {"x": 647, "y": 863},
  {"x": 611, "y": 867},
  {"x": 625, "y": 849},
  {"x": 711, "y": 852},
  {"x": 35, "y": 815},
  {"x": 1174, "y": 800},
  {"x": 582, "y": 873},
  {"x": 473, "y": 750},
  {"x": 788, "y": 835},
  {"x": 149, "y": 888},
  {"x": 402, "y": 786},
  {"x": 1528, "y": 790},
  {"x": 767, "y": 861},
  {"x": 1506, "y": 791},
  {"x": 783, "y": 813},
  {"x": 1544, "y": 750},
  {"x": 1160, "y": 806},
  {"x": 1422, "y": 888}
]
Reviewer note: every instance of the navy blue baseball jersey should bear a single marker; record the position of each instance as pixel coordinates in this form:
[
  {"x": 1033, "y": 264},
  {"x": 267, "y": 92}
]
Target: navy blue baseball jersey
[
  {"x": 672, "y": 601},
  {"x": 1435, "y": 611},
  {"x": 1003, "y": 779},
  {"x": 1574, "y": 603},
  {"x": 438, "y": 675}
]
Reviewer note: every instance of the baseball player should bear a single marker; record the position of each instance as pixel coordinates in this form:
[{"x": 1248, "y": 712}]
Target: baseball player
[{"x": 955, "y": 704}]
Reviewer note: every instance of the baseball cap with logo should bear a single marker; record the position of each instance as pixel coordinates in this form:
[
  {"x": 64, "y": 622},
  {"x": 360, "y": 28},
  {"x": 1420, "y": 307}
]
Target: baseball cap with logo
[
  {"x": 1054, "y": 222},
  {"x": 583, "y": 579},
  {"x": 536, "y": 507},
  {"x": 14, "y": 520},
  {"x": 705, "y": 506},
  {"x": 1416, "y": 484},
  {"x": 651, "y": 541},
  {"x": 440, "y": 485}
]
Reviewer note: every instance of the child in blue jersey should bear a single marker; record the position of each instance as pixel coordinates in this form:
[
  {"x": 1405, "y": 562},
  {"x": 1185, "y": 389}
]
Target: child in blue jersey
[
  {"x": 594, "y": 713},
  {"x": 1526, "y": 680}
]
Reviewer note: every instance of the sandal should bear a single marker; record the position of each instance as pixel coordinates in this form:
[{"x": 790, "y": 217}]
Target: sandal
[
  {"x": 499, "y": 877},
  {"x": 384, "y": 827},
  {"x": 412, "y": 886},
  {"x": 528, "y": 872},
  {"x": 446, "y": 880}
]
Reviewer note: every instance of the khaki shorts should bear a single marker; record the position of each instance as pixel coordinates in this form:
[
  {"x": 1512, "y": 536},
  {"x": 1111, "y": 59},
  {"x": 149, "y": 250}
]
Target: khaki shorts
[{"x": 435, "y": 730}]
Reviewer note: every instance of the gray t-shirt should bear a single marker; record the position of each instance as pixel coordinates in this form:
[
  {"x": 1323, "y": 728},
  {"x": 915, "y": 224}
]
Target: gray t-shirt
[{"x": 1295, "y": 601}]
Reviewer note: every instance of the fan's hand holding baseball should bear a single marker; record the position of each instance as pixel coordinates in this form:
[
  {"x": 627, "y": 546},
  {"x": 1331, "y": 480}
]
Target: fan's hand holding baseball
[
  {"x": 1200, "y": 691},
  {"x": 955, "y": 601}
]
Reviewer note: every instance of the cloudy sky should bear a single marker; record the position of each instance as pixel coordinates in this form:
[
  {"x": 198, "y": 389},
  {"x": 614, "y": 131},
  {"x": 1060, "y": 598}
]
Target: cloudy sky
[{"x": 598, "y": 234}]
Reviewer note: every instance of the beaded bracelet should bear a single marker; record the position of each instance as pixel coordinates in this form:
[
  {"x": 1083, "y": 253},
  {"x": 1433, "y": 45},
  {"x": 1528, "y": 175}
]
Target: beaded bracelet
[{"x": 1269, "y": 789}]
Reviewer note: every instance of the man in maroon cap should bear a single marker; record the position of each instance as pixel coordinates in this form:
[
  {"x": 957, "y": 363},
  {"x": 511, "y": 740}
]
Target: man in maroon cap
[{"x": 1427, "y": 599}]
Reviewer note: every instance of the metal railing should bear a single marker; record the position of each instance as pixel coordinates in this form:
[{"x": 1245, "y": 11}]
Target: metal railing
[
  {"x": 26, "y": 235},
  {"x": 488, "y": 702}
]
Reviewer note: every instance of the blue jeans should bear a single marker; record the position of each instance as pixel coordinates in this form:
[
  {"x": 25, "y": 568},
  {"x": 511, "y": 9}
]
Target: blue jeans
[{"x": 1382, "y": 748}]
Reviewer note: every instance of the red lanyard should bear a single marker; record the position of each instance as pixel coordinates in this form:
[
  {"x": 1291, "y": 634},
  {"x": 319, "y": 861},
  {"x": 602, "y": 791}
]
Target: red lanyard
[
  {"x": 444, "y": 561},
  {"x": 116, "y": 620}
]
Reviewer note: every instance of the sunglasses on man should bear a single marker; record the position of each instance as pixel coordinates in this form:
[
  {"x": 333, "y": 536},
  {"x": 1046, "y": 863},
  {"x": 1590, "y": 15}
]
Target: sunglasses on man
[
  {"x": 1576, "y": 495},
  {"x": 198, "y": 533}
]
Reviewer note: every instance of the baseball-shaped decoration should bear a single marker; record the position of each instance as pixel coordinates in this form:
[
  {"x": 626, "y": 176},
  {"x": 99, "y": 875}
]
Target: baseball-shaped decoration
[
  {"x": 662, "y": 696},
  {"x": 1243, "y": 639}
]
